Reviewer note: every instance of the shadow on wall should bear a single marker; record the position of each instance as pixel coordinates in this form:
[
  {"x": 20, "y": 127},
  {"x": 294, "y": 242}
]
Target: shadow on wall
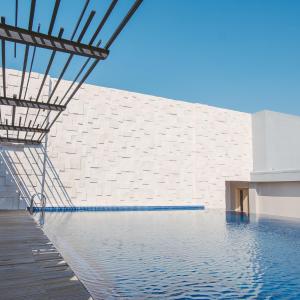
[{"x": 21, "y": 172}]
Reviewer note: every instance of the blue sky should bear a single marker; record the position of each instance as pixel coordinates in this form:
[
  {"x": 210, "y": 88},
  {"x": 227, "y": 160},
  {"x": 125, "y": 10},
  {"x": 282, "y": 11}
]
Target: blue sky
[{"x": 243, "y": 55}]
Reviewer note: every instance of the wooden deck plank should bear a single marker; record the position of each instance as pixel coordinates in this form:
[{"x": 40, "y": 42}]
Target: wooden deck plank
[{"x": 30, "y": 266}]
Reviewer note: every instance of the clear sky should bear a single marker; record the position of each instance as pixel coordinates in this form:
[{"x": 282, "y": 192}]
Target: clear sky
[{"x": 239, "y": 54}]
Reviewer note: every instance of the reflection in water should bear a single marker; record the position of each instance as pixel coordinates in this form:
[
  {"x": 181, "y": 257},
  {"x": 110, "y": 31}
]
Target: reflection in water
[
  {"x": 179, "y": 254},
  {"x": 237, "y": 217},
  {"x": 42, "y": 217}
]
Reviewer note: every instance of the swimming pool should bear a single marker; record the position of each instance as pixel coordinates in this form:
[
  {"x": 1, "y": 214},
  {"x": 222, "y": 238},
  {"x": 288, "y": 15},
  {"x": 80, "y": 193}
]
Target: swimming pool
[{"x": 179, "y": 254}]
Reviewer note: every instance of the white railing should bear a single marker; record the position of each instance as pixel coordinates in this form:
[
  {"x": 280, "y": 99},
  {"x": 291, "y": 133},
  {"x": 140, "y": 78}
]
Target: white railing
[{"x": 42, "y": 199}]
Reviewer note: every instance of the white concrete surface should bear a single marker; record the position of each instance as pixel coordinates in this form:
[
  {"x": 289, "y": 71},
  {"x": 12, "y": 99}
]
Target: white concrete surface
[
  {"x": 276, "y": 145},
  {"x": 114, "y": 147},
  {"x": 275, "y": 176},
  {"x": 278, "y": 198},
  {"x": 275, "y": 187}
]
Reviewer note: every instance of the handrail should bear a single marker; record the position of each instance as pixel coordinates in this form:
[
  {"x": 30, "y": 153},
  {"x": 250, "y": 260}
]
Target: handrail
[{"x": 42, "y": 199}]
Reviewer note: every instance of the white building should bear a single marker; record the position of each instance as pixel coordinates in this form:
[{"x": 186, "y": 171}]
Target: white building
[{"x": 119, "y": 148}]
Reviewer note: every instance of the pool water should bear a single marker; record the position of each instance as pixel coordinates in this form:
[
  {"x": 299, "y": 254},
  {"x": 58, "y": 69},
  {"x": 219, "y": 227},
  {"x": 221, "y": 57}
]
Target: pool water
[{"x": 179, "y": 254}]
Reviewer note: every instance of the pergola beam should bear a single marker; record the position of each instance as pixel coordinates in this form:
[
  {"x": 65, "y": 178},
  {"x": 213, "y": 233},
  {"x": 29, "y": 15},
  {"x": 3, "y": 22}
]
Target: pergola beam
[
  {"x": 41, "y": 40},
  {"x": 31, "y": 104},
  {"x": 18, "y": 141},
  {"x": 17, "y": 122},
  {"x": 22, "y": 128}
]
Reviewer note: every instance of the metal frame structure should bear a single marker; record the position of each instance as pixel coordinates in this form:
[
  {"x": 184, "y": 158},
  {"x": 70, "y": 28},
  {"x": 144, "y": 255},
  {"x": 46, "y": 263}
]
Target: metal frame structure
[{"x": 31, "y": 126}]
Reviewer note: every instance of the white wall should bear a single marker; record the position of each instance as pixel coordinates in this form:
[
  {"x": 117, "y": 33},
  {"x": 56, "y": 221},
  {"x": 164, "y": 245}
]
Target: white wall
[
  {"x": 276, "y": 145},
  {"x": 275, "y": 188},
  {"x": 278, "y": 198},
  {"x": 114, "y": 147}
]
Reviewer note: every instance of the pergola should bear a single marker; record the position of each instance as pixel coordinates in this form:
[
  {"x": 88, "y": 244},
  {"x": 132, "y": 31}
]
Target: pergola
[{"x": 19, "y": 128}]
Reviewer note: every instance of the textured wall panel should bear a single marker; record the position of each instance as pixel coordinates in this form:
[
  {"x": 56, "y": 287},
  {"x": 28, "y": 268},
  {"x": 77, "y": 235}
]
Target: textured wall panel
[{"x": 113, "y": 147}]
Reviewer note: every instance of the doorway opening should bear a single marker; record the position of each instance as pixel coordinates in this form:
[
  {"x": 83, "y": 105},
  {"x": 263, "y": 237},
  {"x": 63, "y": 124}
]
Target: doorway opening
[
  {"x": 237, "y": 197},
  {"x": 242, "y": 200}
]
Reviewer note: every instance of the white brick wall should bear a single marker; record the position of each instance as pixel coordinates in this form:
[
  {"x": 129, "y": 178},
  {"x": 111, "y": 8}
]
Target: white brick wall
[{"x": 114, "y": 147}]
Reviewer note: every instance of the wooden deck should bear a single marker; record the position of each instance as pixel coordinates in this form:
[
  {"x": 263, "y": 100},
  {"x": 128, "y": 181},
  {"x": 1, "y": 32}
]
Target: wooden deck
[{"x": 30, "y": 266}]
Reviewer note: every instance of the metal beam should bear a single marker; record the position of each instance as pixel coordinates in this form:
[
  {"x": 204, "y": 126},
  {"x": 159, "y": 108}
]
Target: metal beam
[
  {"x": 22, "y": 128},
  {"x": 13, "y": 115},
  {"x": 31, "y": 65},
  {"x": 61, "y": 31},
  {"x": 31, "y": 17},
  {"x": 121, "y": 26},
  {"x": 3, "y": 62},
  {"x": 80, "y": 18},
  {"x": 41, "y": 40},
  {"x": 83, "y": 31},
  {"x": 31, "y": 104},
  {"x": 20, "y": 120},
  {"x": 54, "y": 15},
  {"x": 103, "y": 21},
  {"x": 19, "y": 141},
  {"x": 99, "y": 28},
  {"x": 16, "y": 25}
]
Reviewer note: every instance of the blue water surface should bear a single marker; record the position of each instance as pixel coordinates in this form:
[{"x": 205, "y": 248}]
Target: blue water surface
[{"x": 179, "y": 254}]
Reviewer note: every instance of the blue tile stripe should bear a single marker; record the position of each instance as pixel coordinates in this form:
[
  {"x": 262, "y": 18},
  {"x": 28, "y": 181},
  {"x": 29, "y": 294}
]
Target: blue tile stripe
[{"x": 118, "y": 208}]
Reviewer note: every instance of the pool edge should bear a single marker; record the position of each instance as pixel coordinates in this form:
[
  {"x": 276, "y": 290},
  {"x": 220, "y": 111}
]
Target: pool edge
[{"x": 117, "y": 208}]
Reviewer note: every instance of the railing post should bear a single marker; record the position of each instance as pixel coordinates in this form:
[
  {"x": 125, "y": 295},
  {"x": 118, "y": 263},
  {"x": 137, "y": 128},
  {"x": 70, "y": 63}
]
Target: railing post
[
  {"x": 43, "y": 198},
  {"x": 31, "y": 204}
]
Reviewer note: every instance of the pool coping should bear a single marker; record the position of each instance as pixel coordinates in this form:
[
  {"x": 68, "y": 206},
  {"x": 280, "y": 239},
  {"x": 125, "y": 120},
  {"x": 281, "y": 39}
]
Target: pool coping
[{"x": 118, "y": 208}]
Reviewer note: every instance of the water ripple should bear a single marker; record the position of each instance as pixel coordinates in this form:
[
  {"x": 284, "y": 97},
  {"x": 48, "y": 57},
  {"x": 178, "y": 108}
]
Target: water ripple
[{"x": 179, "y": 254}]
